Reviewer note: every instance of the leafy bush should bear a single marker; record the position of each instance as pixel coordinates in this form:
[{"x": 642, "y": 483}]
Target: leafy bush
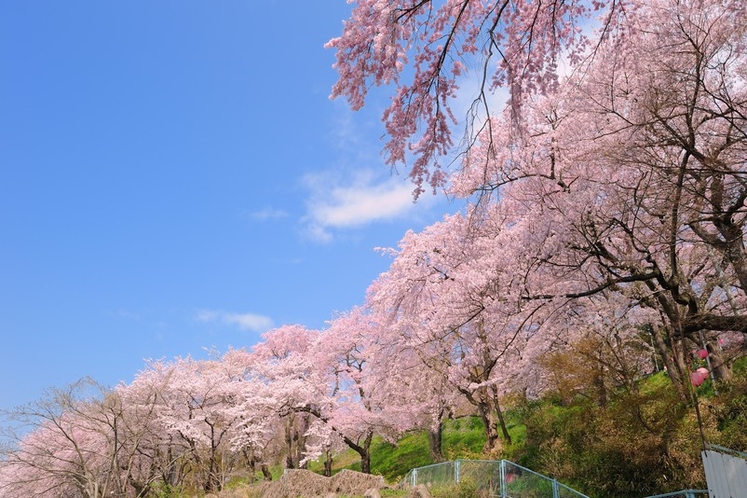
[{"x": 467, "y": 488}]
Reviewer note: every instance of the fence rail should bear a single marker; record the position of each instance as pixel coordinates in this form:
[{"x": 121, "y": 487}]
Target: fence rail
[
  {"x": 685, "y": 493},
  {"x": 499, "y": 478},
  {"x": 502, "y": 478}
]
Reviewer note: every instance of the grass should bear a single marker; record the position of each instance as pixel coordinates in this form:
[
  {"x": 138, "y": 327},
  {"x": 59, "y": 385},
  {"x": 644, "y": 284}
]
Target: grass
[
  {"x": 462, "y": 438},
  {"x": 559, "y": 439},
  {"x": 582, "y": 444},
  {"x": 393, "y": 461}
]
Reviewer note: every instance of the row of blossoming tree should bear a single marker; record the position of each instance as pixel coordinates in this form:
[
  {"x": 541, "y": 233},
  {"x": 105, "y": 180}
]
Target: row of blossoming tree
[
  {"x": 192, "y": 424},
  {"x": 605, "y": 215}
]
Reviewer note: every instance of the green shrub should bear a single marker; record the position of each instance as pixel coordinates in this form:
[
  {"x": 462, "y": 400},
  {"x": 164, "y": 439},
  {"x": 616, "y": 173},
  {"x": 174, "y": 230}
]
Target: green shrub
[{"x": 467, "y": 488}]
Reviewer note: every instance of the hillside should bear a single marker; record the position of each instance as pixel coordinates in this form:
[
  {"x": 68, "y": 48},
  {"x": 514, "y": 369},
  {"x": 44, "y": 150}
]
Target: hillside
[{"x": 638, "y": 444}]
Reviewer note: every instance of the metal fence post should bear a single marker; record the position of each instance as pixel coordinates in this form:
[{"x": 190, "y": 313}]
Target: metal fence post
[
  {"x": 504, "y": 492},
  {"x": 506, "y": 475}
]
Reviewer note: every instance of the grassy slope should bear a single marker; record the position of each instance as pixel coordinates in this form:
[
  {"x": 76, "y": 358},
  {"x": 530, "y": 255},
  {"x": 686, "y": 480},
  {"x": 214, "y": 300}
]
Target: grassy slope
[{"x": 464, "y": 438}]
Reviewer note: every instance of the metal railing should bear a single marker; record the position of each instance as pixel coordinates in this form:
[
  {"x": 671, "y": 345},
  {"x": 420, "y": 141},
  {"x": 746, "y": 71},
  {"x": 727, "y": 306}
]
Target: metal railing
[
  {"x": 685, "y": 493},
  {"x": 498, "y": 478}
]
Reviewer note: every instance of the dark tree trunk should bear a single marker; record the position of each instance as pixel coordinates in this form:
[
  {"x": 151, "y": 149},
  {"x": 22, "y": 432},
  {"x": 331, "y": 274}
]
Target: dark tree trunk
[
  {"x": 718, "y": 364},
  {"x": 289, "y": 430},
  {"x": 435, "y": 442},
  {"x": 600, "y": 386},
  {"x": 366, "y": 462},
  {"x": 266, "y": 472},
  {"x": 363, "y": 449},
  {"x": 670, "y": 355},
  {"x": 499, "y": 413},
  {"x": 490, "y": 423},
  {"x": 328, "y": 463},
  {"x": 302, "y": 425}
]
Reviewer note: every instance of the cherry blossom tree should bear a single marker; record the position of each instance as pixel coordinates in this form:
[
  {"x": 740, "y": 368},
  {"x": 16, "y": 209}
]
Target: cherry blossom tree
[
  {"x": 450, "y": 299},
  {"x": 42, "y": 465},
  {"x": 605, "y": 217},
  {"x": 324, "y": 378},
  {"x": 81, "y": 440},
  {"x": 419, "y": 395},
  {"x": 624, "y": 175},
  {"x": 252, "y": 406},
  {"x": 425, "y": 49},
  {"x": 664, "y": 122},
  {"x": 666, "y": 110},
  {"x": 197, "y": 413},
  {"x": 180, "y": 423},
  {"x": 359, "y": 400},
  {"x": 282, "y": 359}
]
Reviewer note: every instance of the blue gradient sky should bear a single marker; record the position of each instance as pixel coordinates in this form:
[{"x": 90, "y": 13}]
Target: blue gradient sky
[{"x": 173, "y": 177}]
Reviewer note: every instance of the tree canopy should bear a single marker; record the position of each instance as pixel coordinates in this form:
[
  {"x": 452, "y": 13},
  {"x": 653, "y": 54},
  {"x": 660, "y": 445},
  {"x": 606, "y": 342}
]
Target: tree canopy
[{"x": 605, "y": 217}]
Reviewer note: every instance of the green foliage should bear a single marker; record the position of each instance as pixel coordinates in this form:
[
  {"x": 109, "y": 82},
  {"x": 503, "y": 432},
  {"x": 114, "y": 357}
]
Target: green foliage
[
  {"x": 394, "y": 493},
  {"x": 642, "y": 441},
  {"x": 740, "y": 367},
  {"x": 729, "y": 412},
  {"x": 166, "y": 491},
  {"x": 240, "y": 482},
  {"x": 463, "y": 438},
  {"x": 467, "y": 488},
  {"x": 394, "y": 461}
]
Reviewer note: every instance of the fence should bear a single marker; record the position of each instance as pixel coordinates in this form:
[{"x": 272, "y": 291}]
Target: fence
[
  {"x": 726, "y": 471},
  {"x": 686, "y": 493},
  {"x": 499, "y": 478}
]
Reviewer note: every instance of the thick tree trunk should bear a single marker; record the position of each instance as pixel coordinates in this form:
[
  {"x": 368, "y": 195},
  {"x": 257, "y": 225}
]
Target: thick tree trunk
[
  {"x": 670, "y": 356},
  {"x": 600, "y": 386},
  {"x": 435, "y": 442},
  {"x": 491, "y": 428},
  {"x": 327, "y": 463},
  {"x": 170, "y": 476},
  {"x": 302, "y": 425},
  {"x": 289, "y": 431},
  {"x": 363, "y": 449},
  {"x": 491, "y": 415},
  {"x": 251, "y": 464},
  {"x": 499, "y": 414},
  {"x": 366, "y": 462},
  {"x": 365, "y": 452},
  {"x": 296, "y": 425},
  {"x": 732, "y": 232},
  {"x": 266, "y": 472},
  {"x": 717, "y": 361}
]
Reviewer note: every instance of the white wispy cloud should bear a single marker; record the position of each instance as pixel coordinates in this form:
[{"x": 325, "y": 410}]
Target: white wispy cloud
[
  {"x": 244, "y": 321},
  {"x": 356, "y": 206},
  {"x": 267, "y": 213},
  {"x": 333, "y": 204}
]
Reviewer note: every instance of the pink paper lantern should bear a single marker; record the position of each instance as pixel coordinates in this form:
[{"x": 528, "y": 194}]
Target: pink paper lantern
[
  {"x": 702, "y": 353},
  {"x": 699, "y": 376}
]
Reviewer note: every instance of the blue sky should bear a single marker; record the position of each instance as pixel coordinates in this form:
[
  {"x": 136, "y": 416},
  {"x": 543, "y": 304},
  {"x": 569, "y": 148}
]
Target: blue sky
[{"x": 174, "y": 177}]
